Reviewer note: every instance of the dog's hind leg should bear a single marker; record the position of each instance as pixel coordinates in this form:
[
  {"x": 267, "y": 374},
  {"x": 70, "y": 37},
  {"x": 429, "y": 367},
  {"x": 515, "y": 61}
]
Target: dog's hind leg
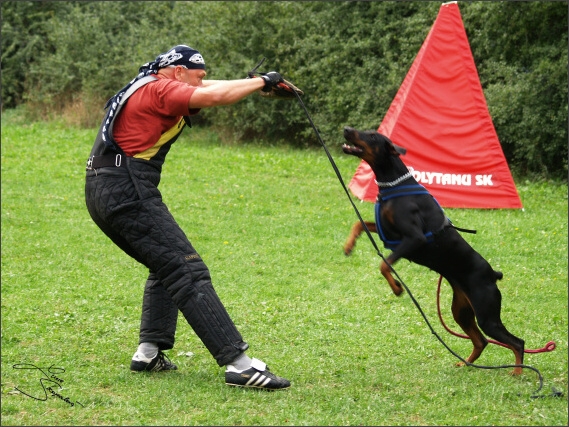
[
  {"x": 487, "y": 304},
  {"x": 357, "y": 229},
  {"x": 464, "y": 316}
]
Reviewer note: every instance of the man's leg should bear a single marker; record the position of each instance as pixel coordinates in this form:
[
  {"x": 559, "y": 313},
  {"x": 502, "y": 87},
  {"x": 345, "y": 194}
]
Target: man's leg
[
  {"x": 159, "y": 315},
  {"x": 157, "y": 328},
  {"x": 190, "y": 285},
  {"x": 146, "y": 230}
]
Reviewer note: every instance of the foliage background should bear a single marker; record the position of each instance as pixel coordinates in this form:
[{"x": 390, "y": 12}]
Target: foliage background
[{"x": 349, "y": 57}]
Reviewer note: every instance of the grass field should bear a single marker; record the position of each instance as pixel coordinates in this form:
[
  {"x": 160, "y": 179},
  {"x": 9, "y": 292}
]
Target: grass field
[{"x": 270, "y": 223}]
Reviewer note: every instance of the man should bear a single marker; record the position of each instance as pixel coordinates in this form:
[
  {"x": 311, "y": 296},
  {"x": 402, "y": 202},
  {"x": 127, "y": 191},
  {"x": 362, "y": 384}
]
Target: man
[{"x": 143, "y": 120}]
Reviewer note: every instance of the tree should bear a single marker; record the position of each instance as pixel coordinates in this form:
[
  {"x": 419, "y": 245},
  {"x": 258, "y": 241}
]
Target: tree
[
  {"x": 521, "y": 52},
  {"x": 349, "y": 58},
  {"x": 24, "y": 36}
]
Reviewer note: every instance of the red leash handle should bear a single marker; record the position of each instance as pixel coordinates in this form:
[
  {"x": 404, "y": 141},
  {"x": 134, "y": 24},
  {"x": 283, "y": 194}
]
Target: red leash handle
[{"x": 550, "y": 346}]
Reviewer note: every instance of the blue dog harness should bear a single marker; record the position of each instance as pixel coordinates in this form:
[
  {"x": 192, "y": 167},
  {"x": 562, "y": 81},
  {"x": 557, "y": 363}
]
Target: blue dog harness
[{"x": 400, "y": 191}]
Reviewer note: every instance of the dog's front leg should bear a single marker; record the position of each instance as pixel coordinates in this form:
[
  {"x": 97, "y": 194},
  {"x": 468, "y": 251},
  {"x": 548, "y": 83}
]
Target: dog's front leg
[
  {"x": 386, "y": 272},
  {"x": 355, "y": 232},
  {"x": 407, "y": 245}
]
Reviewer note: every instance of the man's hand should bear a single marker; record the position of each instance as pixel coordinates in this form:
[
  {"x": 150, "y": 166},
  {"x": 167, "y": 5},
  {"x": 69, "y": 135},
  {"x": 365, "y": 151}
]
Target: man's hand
[
  {"x": 276, "y": 86},
  {"x": 272, "y": 78}
]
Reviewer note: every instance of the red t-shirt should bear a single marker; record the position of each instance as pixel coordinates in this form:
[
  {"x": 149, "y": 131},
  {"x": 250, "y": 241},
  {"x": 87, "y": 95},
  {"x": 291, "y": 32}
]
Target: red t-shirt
[{"x": 150, "y": 111}]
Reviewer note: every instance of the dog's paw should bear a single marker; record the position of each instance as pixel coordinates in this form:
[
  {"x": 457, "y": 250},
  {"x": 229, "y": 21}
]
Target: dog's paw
[
  {"x": 348, "y": 248},
  {"x": 398, "y": 289}
]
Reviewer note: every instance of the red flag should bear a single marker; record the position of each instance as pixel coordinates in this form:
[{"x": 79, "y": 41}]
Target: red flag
[{"x": 441, "y": 117}]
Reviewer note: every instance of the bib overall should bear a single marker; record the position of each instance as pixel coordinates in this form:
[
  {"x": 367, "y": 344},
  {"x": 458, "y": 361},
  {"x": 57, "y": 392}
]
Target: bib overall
[{"x": 123, "y": 199}]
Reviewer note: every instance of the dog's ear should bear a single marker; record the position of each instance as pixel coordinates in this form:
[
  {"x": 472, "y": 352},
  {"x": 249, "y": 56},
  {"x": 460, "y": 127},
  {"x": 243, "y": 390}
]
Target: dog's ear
[
  {"x": 396, "y": 150},
  {"x": 399, "y": 150},
  {"x": 393, "y": 149}
]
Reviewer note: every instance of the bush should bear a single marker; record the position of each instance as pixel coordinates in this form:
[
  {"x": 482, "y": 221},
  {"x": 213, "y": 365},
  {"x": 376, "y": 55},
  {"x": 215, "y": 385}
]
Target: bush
[{"x": 348, "y": 57}]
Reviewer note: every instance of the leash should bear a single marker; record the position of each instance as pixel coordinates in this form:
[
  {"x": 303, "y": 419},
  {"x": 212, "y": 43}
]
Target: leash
[
  {"x": 555, "y": 393},
  {"x": 550, "y": 346}
]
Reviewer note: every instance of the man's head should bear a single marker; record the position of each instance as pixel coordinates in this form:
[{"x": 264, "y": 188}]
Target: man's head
[
  {"x": 182, "y": 63},
  {"x": 179, "y": 56},
  {"x": 183, "y": 56}
]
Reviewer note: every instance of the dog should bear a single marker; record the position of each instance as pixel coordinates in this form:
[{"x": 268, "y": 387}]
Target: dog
[{"x": 411, "y": 223}]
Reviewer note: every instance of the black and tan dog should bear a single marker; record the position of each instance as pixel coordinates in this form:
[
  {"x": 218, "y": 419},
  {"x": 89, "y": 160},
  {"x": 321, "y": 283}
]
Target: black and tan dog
[{"x": 411, "y": 223}]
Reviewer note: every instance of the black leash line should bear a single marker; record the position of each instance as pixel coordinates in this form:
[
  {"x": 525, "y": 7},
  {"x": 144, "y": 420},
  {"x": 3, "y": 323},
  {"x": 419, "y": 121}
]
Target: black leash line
[
  {"x": 339, "y": 175},
  {"x": 555, "y": 393}
]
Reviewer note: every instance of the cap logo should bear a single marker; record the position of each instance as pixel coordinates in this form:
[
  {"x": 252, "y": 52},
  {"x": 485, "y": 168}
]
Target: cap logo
[
  {"x": 169, "y": 58},
  {"x": 197, "y": 59}
]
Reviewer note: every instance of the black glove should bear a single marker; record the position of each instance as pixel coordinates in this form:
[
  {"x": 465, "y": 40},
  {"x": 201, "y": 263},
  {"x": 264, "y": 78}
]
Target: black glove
[
  {"x": 275, "y": 86},
  {"x": 282, "y": 90},
  {"x": 272, "y": 78}
]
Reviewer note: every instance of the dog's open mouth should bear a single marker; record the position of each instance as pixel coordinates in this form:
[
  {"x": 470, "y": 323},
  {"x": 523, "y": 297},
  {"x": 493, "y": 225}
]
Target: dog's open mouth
[{"x": 352, "y": 149}]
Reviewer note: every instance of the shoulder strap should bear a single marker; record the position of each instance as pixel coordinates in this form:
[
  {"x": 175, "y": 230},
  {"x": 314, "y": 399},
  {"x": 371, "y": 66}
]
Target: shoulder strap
[
  {"x": 114, "y": 105},
  {"x": 137, "y": 85}
]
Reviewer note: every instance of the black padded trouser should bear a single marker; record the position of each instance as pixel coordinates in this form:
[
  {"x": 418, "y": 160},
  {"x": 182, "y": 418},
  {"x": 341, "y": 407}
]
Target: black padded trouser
[{"x": 126, "y": 204}]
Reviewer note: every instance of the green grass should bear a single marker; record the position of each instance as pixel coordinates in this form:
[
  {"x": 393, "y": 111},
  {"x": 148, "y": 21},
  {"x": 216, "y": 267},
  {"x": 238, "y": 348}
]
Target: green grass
[{"x": 270, "y": 223}]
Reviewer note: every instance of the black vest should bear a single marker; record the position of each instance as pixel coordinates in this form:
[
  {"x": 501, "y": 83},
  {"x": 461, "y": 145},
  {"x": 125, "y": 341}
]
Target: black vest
[{"x": 106, "y": 146}]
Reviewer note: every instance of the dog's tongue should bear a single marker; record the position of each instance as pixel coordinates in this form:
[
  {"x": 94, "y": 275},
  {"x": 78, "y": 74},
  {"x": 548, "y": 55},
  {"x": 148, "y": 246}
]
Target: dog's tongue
[{"x": 350, "y": 149}]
